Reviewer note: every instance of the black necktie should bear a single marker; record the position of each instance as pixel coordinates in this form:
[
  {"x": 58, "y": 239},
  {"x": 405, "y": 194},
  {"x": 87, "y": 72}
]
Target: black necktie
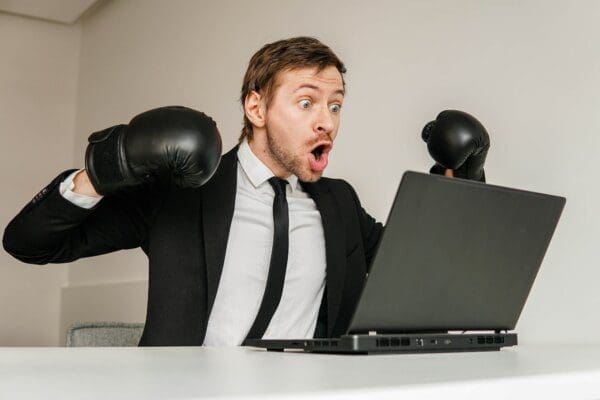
[{"x": 278, "y": 264}]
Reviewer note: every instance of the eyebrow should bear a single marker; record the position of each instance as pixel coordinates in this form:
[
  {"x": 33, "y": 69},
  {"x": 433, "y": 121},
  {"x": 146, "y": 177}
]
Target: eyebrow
[{"x": 309, "y": 86}]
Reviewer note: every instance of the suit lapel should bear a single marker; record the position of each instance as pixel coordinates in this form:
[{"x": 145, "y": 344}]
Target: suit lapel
[
  {"x": 218, "y": 202},
  {"x": 334, "y": 245}
]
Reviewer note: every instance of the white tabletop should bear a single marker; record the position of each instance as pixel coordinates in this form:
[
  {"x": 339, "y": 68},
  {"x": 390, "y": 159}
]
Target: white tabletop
[{"x": 570, "y": 371}]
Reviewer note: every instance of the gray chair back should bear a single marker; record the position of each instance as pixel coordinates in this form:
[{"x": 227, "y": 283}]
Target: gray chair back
[{"x": 104, "y": 334}]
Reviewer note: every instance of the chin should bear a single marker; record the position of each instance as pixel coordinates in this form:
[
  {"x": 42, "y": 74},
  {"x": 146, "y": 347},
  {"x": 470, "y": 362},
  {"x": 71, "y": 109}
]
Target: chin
[
  {"x": 304, "y": 172},
  {"x": 310, "y": 176}
]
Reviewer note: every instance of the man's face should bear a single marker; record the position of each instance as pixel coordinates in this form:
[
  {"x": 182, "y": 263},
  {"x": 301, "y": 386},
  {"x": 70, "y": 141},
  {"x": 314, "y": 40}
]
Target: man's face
[{"x": 302, "y": 120}]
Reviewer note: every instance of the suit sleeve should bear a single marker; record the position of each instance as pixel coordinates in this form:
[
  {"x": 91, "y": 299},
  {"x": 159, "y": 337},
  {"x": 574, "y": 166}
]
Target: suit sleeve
[
  {"x": 51, "y": 229},
  {"x": 371, "y": 230}
]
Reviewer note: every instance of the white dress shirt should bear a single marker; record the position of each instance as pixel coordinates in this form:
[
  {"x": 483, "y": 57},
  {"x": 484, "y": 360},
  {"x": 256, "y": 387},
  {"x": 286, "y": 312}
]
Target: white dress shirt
[{"x": 248, "y": 254}]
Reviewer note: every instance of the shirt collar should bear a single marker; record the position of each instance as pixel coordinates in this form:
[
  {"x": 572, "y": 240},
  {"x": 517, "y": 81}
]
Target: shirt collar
[{"x": 257, "y": 172}]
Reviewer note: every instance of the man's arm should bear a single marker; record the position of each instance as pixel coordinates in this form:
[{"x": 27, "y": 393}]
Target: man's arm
[
  {"x": 125, "y": 163},
  {"x": 83, "y": 185},
  {"x": 51, "y": 229},
  {"x": 82, "y": 198}
]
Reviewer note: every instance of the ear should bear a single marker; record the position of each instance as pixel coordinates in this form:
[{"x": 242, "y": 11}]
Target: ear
[{"x": 255, "y": 109}]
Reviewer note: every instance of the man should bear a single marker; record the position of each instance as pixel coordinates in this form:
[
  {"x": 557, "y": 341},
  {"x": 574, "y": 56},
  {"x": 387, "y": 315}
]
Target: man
[{"x": 262, "y": 248}]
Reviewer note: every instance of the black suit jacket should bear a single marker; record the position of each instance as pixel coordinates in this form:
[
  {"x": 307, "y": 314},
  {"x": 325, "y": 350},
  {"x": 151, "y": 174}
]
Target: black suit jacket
[{"x": 184, "y": 234}]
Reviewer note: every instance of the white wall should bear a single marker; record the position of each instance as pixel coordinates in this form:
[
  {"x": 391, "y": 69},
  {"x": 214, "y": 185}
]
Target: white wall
[
  {"x": 527, "y": 69},
  {"x": 38, "y": 77}
]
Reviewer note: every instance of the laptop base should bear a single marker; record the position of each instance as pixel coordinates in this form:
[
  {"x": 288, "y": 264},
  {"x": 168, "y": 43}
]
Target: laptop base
[{"x": 389, "y": 343}]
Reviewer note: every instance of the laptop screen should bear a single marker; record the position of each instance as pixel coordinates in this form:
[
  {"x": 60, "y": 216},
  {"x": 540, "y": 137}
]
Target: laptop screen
[{"x": 456, "y": 255}]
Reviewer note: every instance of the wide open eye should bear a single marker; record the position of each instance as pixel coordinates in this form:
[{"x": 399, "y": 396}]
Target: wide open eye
[
  {"x": 335, "y": 108},
  {"x": 305, "y": 104}
]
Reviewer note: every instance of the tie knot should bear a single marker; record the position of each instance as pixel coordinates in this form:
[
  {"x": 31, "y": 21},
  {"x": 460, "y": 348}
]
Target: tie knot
[{"x": 278, "y": 185}]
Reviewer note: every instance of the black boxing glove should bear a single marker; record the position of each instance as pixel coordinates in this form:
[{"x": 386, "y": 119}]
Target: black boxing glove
[
  {"x": 178, "y": 143},
  {"x": 458, "y": 141}
]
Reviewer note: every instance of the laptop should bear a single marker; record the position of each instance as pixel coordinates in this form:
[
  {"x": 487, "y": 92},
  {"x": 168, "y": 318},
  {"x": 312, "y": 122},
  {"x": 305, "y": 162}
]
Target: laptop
[{"x": 452, "y": 271}]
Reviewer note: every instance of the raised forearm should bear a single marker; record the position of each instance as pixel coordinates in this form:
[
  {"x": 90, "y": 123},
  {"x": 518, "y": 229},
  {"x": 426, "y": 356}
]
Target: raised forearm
[{"x": 83, "y": 185}]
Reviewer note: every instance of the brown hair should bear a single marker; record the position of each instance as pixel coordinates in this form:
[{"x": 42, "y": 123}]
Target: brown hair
[{"x": 288, "y": 54}]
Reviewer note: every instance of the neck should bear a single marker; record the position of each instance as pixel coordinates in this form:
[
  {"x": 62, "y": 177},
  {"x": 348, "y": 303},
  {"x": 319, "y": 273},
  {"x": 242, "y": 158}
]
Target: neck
[{"x": 260, "y": 148}]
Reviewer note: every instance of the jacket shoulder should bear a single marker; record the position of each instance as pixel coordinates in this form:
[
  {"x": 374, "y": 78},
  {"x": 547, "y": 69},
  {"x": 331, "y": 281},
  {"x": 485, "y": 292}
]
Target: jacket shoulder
[{"x": 339, "y": 187}]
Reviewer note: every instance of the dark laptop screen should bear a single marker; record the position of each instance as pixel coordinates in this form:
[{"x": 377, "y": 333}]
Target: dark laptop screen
[{"x": 456, "y": 255}]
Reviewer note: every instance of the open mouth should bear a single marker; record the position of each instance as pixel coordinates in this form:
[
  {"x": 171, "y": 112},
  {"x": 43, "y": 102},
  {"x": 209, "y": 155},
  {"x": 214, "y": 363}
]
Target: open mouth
[
  {"x": 320, "y": 150},
  {"x": 318, "y": 157}
]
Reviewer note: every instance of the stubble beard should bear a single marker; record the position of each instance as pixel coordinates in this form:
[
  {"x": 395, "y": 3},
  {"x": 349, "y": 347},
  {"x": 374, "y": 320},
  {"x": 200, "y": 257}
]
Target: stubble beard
[{"x": 290, "y": 162}]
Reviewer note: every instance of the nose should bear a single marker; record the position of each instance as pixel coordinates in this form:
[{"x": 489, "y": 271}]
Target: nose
[{"x": 324, "y": 123}]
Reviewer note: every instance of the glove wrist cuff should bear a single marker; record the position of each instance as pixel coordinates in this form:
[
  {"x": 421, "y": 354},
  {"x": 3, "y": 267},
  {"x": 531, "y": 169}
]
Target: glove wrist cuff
[{"x": 105, "y": 161}]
